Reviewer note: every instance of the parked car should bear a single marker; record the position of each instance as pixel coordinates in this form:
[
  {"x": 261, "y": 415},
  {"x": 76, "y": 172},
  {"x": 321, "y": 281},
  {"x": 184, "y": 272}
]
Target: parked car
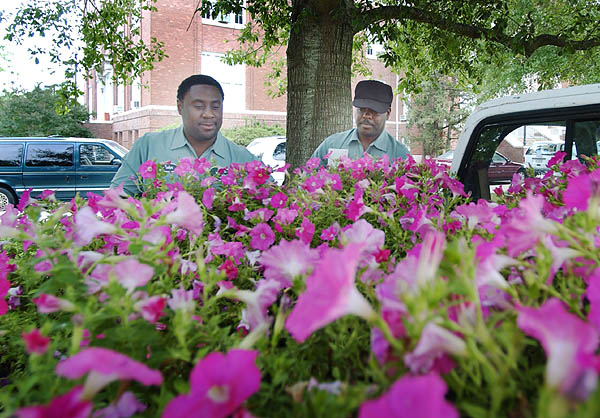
[
  {"x": 501, "y": 169},
  {"x": 571, "y": 115},
  {"x": 65, "y": 165},
  {"x": 271, "y": 151}
]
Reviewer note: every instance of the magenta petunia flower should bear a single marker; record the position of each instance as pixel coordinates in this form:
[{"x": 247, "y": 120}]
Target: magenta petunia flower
[
  {"x": 48, "y": 303},
  {"x": 219, "y": 384},
  {"x": 261, "y": 236},
  {"x": 182, "y": 299},
  {"x": 363, "y": 232},
  {"x": 152, "y": 308},
  {"x": 287, "y": 260},
  {"x": 279, "y": 200},
  {"x": 258, "y": 302},
  {"x": 286, "y": 216},
  {"x": 306, "y": 231},
  {"x": 186, "y": 166},
  {"x": 578, "y": 192},
  {"x": 125, "y": 407},
  {"x": 208, "y": 197},
  {"x": 411, "y": 396},
  {"x": 88, "y": 226},
  {"x": 593, "y": 295},
  {"x": 131, "y": 273},
  {"x": 330, "y": 294},
  {"x": 69, "y": 405},
  {"x": 35, "y": 342},
  {"x": 567, "y": 341},
  {"x": 104, "y": 366},
  {"x": 434, "y": 343},
  {"x": 147, "y": 170},
  {"x": 188, "y": 214}
]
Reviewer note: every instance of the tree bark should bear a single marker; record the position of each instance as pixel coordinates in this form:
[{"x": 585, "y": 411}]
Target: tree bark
[{"x": 319, "y": 100}]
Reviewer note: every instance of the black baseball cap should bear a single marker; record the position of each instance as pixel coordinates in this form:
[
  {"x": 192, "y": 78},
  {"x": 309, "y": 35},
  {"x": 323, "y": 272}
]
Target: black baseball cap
[{"x": 373, "y": 95}]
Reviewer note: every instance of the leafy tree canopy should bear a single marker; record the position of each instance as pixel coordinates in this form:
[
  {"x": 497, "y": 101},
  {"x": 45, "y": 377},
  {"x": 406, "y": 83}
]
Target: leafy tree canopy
[
  {"x": 473, "y": 41},
  {"x": 34, "y": 113}
]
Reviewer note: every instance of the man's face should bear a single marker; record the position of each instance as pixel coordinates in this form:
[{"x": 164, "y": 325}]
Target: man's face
[
  {"x": 201, "y": 112},
  {"x": 369, "y": 123}
]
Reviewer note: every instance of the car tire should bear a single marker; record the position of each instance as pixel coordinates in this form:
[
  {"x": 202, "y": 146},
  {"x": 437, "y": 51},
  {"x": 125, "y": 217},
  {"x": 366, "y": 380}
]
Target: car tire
[
  {"x": 6, "y": 197},
  {"x": 522, "y": 172}
]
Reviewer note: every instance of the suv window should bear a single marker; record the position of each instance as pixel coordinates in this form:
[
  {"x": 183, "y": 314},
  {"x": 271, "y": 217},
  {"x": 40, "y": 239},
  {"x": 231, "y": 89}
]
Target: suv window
[
  {"x": 46, "y": 155},
  {"x": 279, "y": 152},
  {"x": 11, "y": 155},
  {"x": 94, "y": 154}
]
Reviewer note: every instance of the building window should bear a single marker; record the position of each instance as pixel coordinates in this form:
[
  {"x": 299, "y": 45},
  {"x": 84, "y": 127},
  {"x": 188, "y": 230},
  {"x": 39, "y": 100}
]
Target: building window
[
  {"x": 373, "y": 50},
  {"x": 231, "y": 77},
  {"x": 235, "y": 20}
]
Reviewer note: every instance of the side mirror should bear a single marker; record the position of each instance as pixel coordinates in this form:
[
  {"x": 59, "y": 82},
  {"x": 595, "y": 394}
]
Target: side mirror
[{"x": 116, "y": 161}]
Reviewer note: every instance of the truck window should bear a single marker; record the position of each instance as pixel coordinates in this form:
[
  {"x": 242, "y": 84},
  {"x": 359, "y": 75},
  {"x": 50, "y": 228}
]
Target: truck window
[
  {"x": 11, "y": 155},
  {"x": 48, "y": 155}
]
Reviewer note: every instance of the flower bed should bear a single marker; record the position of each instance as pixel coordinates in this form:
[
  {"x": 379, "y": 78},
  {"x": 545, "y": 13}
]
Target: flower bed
[{"x": 373, "y": 288}]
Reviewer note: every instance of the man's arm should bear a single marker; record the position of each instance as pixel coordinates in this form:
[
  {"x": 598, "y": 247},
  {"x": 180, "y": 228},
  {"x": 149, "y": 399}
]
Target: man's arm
[{"x": 129, "y": 170}]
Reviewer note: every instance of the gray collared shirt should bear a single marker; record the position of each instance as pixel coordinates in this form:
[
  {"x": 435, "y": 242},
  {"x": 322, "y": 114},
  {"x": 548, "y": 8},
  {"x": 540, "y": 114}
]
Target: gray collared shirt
[
  {"x": 170, "y": 146},
  {"x": 348, "y": 140}
]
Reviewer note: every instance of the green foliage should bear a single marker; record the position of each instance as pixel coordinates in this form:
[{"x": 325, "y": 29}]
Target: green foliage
[
  {"x": 436, "y": 112},
  {"x": 252, "y": 129},
  {"x": 41, "y": 112}
]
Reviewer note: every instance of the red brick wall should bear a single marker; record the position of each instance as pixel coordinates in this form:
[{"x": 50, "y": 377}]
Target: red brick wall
[{"x": 100, "y": 130}]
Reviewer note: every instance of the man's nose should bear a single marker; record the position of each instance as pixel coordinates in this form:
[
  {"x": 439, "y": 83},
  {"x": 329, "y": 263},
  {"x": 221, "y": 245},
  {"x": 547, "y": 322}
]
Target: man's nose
[{"x": 208, "y": 113}]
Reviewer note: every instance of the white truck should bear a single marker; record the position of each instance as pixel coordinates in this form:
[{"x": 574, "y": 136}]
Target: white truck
[{"x": 568, "y": 117}]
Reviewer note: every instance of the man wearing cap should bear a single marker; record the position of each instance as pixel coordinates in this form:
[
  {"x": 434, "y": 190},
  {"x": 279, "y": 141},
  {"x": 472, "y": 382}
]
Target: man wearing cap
[
  {"x": 200, "y": 104},
  {"x": 373, "y": 101}
]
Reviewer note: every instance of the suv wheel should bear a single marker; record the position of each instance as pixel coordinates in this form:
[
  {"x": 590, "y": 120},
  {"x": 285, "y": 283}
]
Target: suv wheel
[{"x": 6, "y": 197}]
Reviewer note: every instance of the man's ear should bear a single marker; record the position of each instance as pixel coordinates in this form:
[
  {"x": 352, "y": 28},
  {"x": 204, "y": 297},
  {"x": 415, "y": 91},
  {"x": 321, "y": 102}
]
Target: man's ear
[
  {"x": 388, "y": 113},
  {"x": 179, "y": 106}
]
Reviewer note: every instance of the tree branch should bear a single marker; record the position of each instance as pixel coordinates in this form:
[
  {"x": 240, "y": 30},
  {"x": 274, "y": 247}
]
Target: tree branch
[{"x": 527, "y": 45}]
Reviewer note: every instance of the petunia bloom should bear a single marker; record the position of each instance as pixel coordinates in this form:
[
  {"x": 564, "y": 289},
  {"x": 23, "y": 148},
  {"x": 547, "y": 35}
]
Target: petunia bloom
[
  {"x": 69, "y": 405},
  {"x": 261, "y": 236},
  {"x": 35, "y": 342},
  {"x": 411, "y": 396},
  {"x": 104, "y": 366},
  {"x": 434, "y": 343},
  {"x": 567, "y": 341},
  {"x": 88, "y": 226},
  {"x": 330, "y": 294},
  {"x": 48, "y": 303},
  {"x": 188, "y": 214},
  {"x": 131, "y": 273},
  {"x": 219, "y": 384},
  {"x": 126, "y": 406},
  {"x": 287, "y": 260}
]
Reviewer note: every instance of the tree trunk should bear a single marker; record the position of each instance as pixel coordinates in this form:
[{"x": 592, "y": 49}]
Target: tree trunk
[{"x": 319, "y": 99}]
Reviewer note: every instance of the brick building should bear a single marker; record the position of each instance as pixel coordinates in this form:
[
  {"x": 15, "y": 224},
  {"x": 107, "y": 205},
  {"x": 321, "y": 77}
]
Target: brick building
[{"x": 196, "y": 45}]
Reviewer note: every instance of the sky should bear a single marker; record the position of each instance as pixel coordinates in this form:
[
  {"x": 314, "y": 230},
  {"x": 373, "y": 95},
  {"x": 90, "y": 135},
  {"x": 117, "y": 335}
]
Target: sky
[{"x": 20, "y": 70}]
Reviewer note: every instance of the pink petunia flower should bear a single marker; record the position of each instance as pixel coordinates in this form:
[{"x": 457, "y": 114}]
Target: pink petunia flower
[
  {"x": 229, "y": 268},
  {"x": 147, "y": 170},
  {"x": 88, "y": 226},
  {"x": 261, "y": 236},
  {"x": 186, "y": 166},
  {"x": 182, "y": 300},
  {"x": 70, "y": 405},
  {"x": 593, "y": 295},
  {"x": 219, "y": 384},
  {"x": 103, "y": 366},
  {"x": 434, "y": 343},
  {"x": 306, "y": 231},
  {"x": 286, "y": 216},
  {"x": 411, "y": 396},
  {"x": 35, "y": 342},
  {"x": 152, "y": 308},
  {"x": 278, "y": 200},
  {"x": 48, "y": 303},
  {"x": 208, "y": 197},
  {"x": 330, "y": 294},
  {"x": 568, "y": 341},
  {"x": 131, "y": 273},
  {"x": 287, "y": 260},
  {"x": 188, "y": 214},
  {"x": 126, "y": 406},
  {"x": 258, "y": 302}
]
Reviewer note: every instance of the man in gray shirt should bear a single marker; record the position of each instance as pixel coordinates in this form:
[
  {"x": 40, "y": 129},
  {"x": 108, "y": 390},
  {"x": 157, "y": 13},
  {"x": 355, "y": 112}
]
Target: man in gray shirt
[
  {"x": 200, "y": 104},
  {"x": 373, "y": 101}
]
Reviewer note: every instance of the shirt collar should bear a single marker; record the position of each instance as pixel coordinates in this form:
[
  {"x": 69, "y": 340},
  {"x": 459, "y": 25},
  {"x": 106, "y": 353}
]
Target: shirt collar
[
  {"x": 380, "y": 143},
  {"x": 179, "y": 141}
]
